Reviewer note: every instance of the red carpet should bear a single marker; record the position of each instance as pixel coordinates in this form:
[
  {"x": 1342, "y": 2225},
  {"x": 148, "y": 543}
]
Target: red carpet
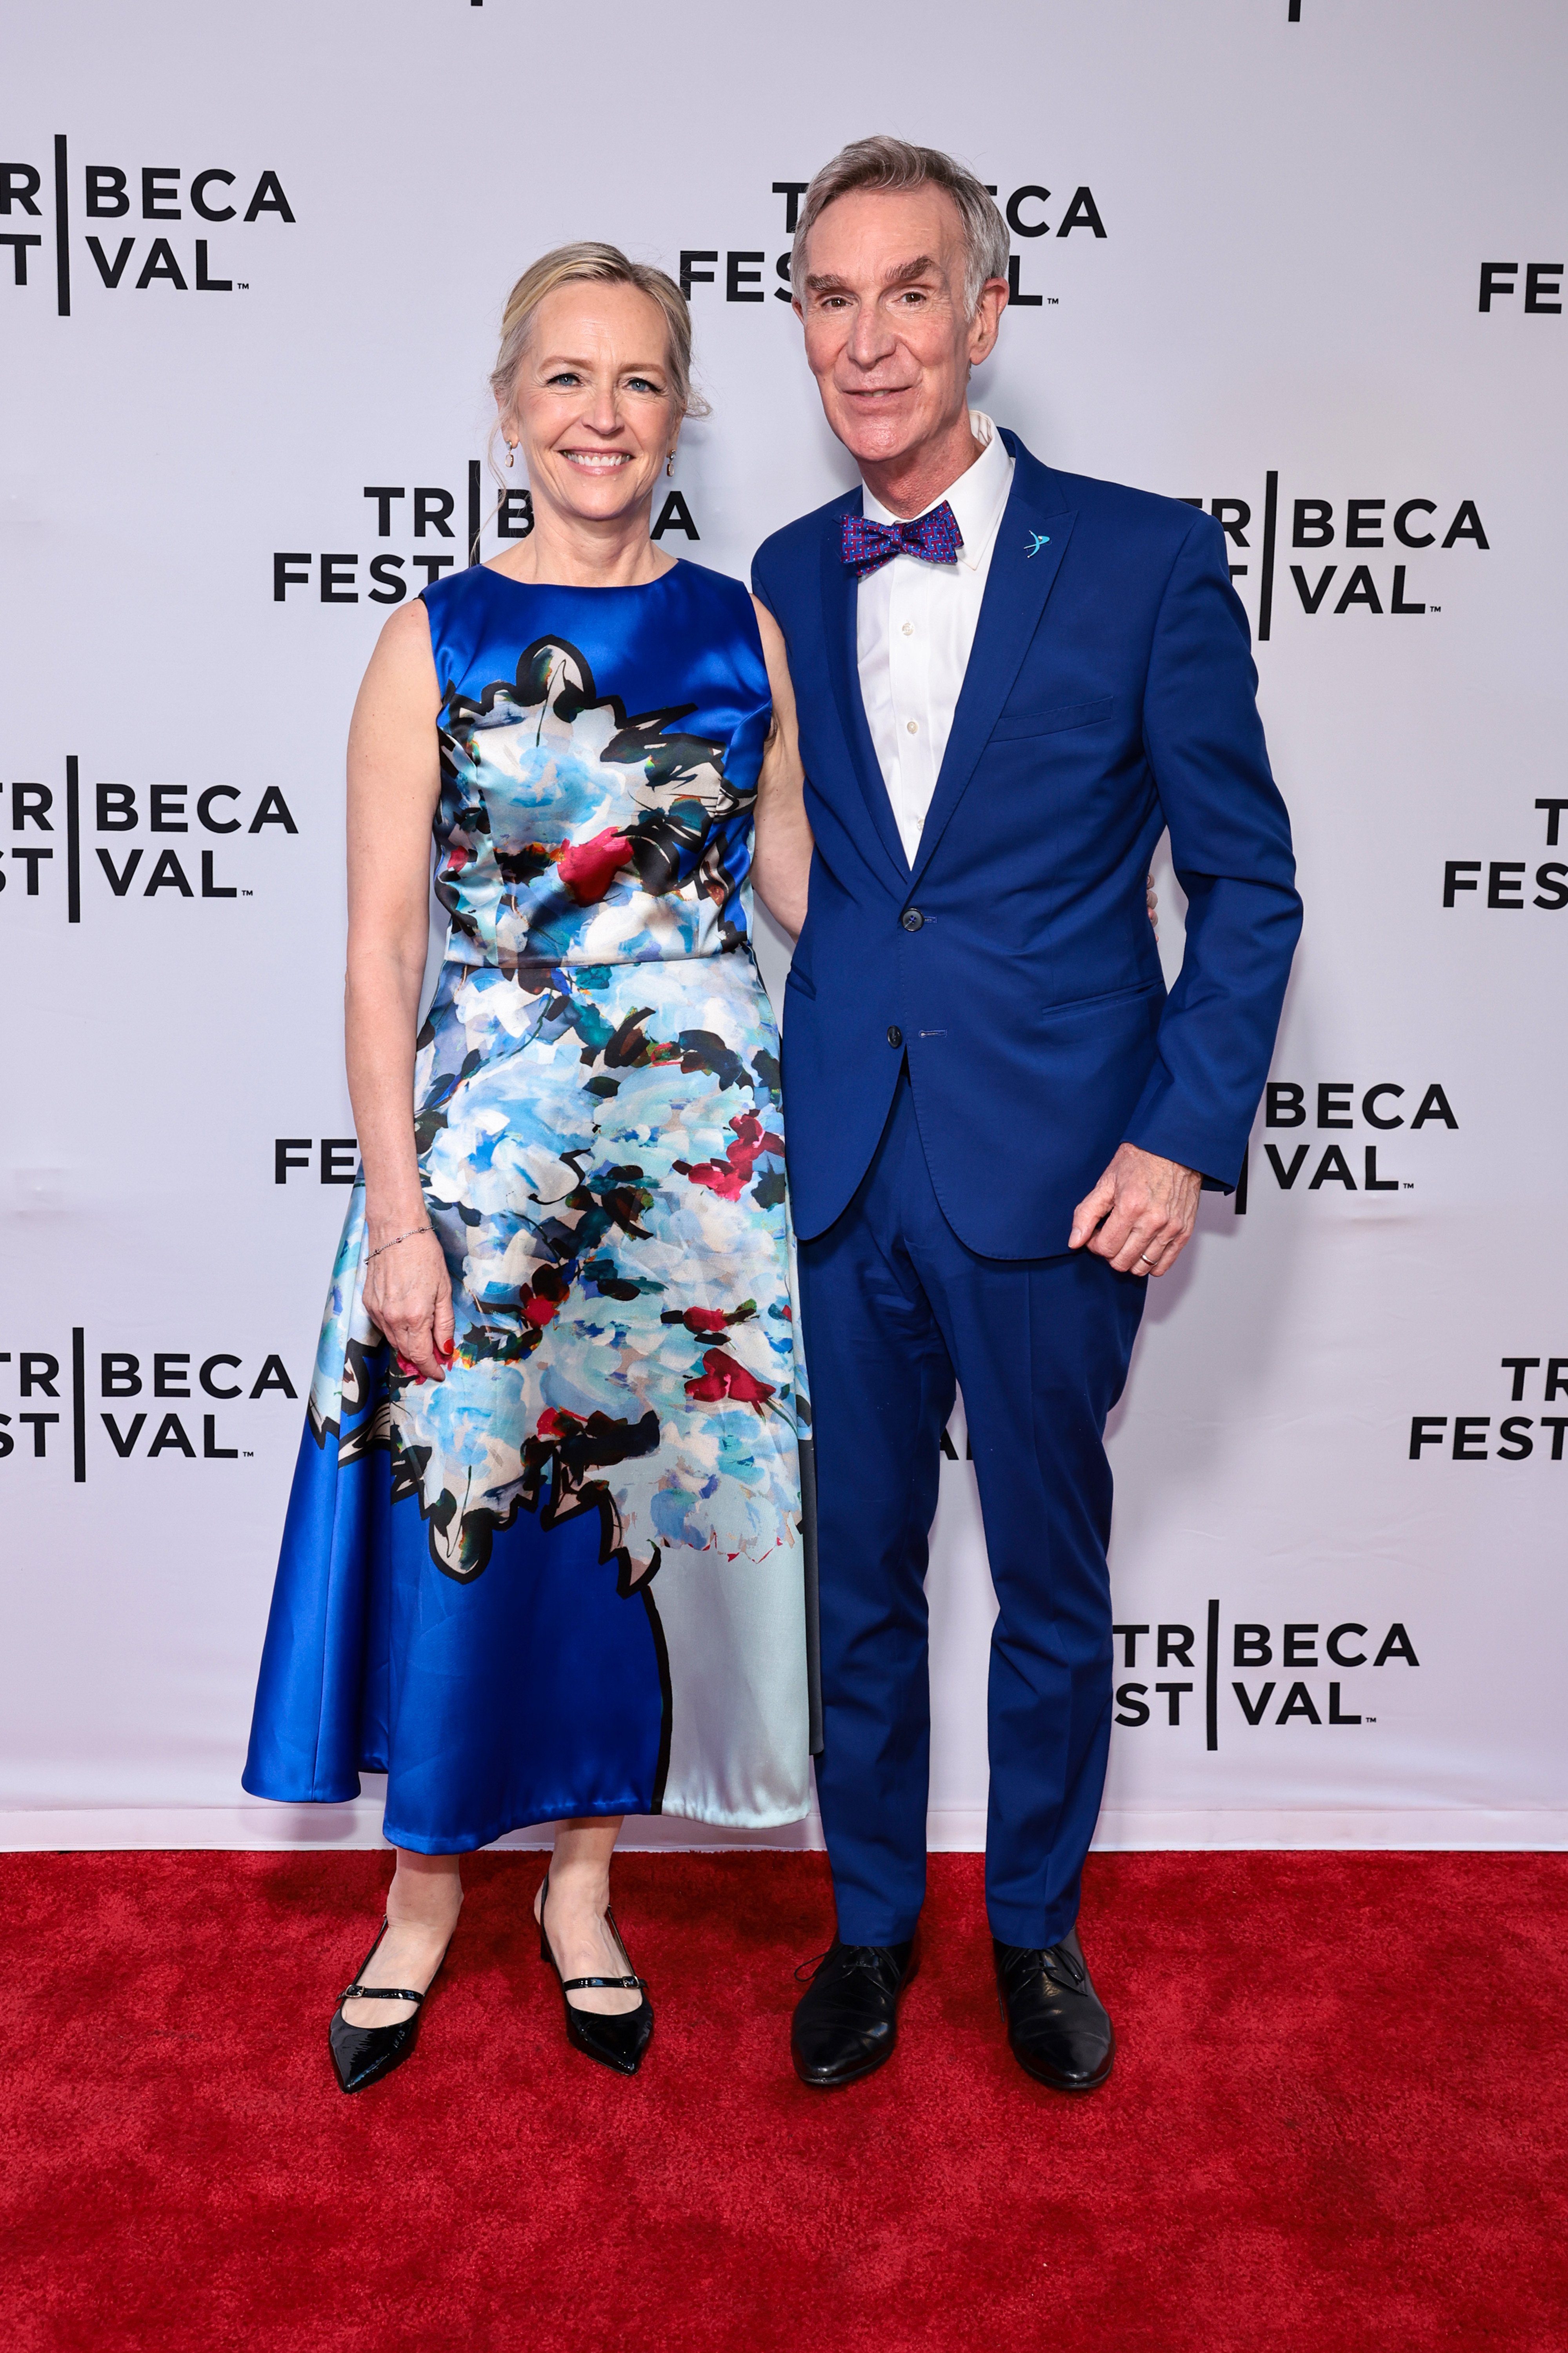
[{"x": 1337, "y": 2120}]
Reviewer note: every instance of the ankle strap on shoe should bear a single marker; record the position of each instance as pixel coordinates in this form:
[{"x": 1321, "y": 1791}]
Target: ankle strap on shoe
[
  {"x": 381, "y": 1993},
  {"x": 573, "y": 1985}
]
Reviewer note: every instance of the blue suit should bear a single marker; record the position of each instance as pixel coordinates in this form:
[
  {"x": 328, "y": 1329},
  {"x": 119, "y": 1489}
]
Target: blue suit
[{"x": 966, "y": 1043}]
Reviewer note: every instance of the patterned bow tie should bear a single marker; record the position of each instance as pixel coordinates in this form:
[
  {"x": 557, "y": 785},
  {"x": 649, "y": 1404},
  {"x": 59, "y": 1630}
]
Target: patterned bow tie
[{"x": 867, "y": 545}]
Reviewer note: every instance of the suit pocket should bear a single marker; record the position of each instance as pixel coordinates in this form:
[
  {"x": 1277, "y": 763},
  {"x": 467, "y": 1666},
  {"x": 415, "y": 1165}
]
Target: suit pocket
[
  {"x": 795, "y": 978},
  {"x": 1019, "y": 722},
  {"x": 1104, "y": 999}
]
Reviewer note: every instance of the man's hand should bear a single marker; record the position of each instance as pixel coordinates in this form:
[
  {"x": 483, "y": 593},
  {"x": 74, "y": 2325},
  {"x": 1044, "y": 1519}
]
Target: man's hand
[{"x": 1142, "y": 1213}]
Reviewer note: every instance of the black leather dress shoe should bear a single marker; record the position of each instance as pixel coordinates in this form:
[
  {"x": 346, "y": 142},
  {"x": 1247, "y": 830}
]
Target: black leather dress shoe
[
  {"x": 846, "y": 2022},
  {"x": 1057, "y": 2025}
]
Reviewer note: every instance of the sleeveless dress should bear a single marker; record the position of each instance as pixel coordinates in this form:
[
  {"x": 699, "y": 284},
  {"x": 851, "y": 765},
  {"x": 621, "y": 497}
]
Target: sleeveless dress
[{"x": 569, "y": 1578}]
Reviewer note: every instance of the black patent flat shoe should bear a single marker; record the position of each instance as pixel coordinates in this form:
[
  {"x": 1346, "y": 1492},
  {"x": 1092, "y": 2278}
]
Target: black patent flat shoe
[
  {"x": 361, "y": 2055},
  {"x": 846, "y": 2022},
  {"x": 616, "y": 2039},
  {"x": 1058, "y": 2026}
]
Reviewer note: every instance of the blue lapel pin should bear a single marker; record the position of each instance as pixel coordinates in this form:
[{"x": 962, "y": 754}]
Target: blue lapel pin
[{"x": 1041, "y": 539}]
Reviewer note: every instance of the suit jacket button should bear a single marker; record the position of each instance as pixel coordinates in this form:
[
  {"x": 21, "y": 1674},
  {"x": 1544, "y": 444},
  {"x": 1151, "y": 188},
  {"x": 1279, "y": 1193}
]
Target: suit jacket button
[
  {"x": 912, "y": 919},
  {"x": 895, "y": 1034}
]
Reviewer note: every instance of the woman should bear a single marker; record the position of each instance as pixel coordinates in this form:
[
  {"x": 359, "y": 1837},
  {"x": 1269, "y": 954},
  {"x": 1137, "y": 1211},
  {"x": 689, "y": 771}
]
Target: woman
[{"x": 542, "y": 1561}]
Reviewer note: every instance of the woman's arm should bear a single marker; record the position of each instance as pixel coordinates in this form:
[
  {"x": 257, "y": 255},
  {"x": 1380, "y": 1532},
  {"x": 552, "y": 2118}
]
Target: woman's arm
[
  {"x": 394, "y": 779},
  {"x": 781, "y": 848}
]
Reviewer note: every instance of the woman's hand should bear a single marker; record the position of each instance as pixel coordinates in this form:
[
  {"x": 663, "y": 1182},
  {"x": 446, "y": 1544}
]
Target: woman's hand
[{"x": 409, "y": 1298}]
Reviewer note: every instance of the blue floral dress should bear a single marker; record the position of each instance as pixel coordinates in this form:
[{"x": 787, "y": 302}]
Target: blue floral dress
[{"x": 569, "y": 1580}]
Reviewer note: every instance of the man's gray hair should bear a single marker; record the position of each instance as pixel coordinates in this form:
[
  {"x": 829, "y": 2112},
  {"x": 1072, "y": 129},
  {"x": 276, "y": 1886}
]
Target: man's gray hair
[{"x": 889, "y": 165}]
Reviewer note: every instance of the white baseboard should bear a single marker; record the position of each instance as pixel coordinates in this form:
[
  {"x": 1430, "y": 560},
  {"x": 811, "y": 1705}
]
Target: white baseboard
[
  {"x": 956, "y": 1830},
  {"x": 1453, "y": 1828}
]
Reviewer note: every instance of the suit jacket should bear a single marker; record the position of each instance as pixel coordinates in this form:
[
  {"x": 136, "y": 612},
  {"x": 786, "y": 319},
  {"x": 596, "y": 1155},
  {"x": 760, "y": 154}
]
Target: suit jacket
[{"x": 1110, "y": 693}]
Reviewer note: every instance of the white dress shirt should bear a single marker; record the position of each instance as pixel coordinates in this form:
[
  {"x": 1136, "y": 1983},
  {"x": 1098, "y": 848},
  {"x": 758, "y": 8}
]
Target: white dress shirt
[{"x": 915, "y": 624}]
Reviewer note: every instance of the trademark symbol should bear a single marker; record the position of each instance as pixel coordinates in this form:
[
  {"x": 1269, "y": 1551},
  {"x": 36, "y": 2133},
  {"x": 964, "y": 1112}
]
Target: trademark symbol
[
  {"x": 1053, "y": 301},
  {"x": 1434, "y": 609},
  {"x": 242, "y": 285},
  {"x": 248, "y": 1453},
  {"x": 248, "y": 895},
  {"x": 1371, "y": 1719},
  {"x": 1409, "y": 1182}
]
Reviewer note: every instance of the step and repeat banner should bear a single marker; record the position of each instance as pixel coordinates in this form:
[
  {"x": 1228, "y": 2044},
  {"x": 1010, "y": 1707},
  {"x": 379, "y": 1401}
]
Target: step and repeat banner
[{"x": 1298, "y": 262}]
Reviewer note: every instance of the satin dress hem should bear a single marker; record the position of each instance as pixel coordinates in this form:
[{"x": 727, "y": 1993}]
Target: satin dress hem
[
  {"x": 419, "y": 1844},
  {"x": 471, "y": 1842}
]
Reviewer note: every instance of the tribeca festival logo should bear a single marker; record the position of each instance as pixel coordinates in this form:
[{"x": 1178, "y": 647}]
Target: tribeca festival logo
[
  {"x": 744, "y": 274},
  {"x": 178, "y": 1405},
  {"x": 1304, "y": 1164},
  {"x": 422, "y": 516},
  {"x": 173, "y": 207},
  {"x": 1506, "y": 881},
  {"x": 327, "y": 1160},
  {"x": 1542, "y": 295},
  {"x": 1309, "y": 1682},
  {"x": 1532, "y": 1381},
  {"x": 1357, "y": 551},
  {"x": 107, "y": 839}
]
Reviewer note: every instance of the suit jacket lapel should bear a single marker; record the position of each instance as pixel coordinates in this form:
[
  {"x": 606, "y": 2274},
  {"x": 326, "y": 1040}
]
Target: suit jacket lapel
[
  {"x": 844, "y": 665},
  {"x": 1031, "y": 541}
]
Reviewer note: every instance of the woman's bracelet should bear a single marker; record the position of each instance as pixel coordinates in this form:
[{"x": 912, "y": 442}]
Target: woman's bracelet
[{"x": 425, "y": 1229}]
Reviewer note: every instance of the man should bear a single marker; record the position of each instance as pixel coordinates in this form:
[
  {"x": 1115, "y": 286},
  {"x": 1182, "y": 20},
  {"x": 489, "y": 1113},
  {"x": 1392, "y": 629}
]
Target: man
[{"x": 1010, "y": 681}]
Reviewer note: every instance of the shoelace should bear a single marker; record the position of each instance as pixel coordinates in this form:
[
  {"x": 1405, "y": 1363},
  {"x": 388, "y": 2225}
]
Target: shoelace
[
  {"x": 1053, "y": 1961},
  {"x": 869, "y": 1958}
]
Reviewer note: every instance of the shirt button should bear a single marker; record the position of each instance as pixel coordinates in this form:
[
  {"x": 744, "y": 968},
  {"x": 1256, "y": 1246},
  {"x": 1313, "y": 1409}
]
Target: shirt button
[
  {"x": 909, "y": 629},
  {"x": 895, "y": 1034},
  {"x": 912, "y": 919},
  {"x": 911, "y": 725}
]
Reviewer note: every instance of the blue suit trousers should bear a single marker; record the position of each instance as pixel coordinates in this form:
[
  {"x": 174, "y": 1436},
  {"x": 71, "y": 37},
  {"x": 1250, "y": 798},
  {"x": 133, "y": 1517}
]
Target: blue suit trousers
[{"x": 897, "y": 1310}]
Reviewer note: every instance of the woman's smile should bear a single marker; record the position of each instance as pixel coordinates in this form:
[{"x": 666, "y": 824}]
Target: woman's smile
[{"x": 597, "y": 461}]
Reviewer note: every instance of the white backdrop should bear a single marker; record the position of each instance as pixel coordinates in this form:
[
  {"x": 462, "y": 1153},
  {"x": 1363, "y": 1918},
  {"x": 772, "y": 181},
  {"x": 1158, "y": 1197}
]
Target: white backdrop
[{"x": 1250, "y": 251}]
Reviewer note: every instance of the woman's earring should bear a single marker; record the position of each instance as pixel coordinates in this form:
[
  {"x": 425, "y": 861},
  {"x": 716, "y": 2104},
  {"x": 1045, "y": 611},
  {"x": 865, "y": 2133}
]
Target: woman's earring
[
  {"x": 669, "y": 464},
  {"x": 511, "y": 452}
]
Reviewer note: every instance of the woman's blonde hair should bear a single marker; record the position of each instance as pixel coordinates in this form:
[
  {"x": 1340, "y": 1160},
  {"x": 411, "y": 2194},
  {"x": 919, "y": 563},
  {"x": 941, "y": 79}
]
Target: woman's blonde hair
[{"x": 602, "y": 265}]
